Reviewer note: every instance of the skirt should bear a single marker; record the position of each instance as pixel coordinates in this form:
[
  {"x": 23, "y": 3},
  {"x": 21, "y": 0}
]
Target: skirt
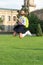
[{"x": 20, "y": 29}]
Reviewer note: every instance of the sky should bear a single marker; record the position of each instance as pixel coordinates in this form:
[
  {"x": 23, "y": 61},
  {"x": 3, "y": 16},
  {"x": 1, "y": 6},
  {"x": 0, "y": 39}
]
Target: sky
[
  {"x": 17, "y": 4},
  {"x": 14, "y": 4},
  {"x": 39, "y": 4}
]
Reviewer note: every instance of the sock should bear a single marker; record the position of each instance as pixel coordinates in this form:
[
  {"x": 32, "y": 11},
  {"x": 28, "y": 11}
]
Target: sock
[{"x": 27, "y": 33}]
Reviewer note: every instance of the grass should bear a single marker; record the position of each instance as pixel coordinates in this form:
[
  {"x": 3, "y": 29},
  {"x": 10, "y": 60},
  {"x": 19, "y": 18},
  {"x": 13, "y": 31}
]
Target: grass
[{"x": 26, "y": 51}]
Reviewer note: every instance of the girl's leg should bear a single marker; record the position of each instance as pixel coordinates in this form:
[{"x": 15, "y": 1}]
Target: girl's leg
[{"x": 14, "y": 34}]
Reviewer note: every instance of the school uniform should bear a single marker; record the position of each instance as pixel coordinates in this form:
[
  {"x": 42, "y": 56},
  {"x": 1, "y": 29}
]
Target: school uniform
[{"x": 22, "y": 26}]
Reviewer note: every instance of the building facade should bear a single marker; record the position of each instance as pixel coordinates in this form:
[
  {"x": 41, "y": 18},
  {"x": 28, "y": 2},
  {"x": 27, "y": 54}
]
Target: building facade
[
  {"x": 9, "y": 18},
  {"x": 30, "y": 5}
]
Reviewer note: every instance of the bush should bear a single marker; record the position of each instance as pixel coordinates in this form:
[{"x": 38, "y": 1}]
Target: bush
[
  {"x": 41, "y": 23},
  {"x": 39, "y": 30},
  {"x": 1, "y": 20},
  {"x": 34, "y": 24}
]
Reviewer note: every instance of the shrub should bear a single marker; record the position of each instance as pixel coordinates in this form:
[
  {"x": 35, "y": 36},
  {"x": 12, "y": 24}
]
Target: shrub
[
  {"x": 41, "y": 23},
  {"x": 39, "y": 30},
  {"x": 1, "y": 19},
  {"x": 34, "y": 24}
]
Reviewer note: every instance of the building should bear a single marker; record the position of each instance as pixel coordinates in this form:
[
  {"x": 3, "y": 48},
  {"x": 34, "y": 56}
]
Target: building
[
  {"x": 30, "y": 5},
  {"x": 38, "y": 13},
  {"x": 9, "y": 18}
]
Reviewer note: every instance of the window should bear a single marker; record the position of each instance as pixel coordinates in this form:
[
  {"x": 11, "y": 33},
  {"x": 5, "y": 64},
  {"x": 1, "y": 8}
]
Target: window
[
  {"x": 3, "y": 17},
  {"x": 14, "y": 18},
  {"x": 9, "y": 18}
]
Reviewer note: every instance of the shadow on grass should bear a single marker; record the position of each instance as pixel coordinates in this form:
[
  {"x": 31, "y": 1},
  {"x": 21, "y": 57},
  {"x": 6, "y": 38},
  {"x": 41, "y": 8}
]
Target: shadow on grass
[{"x": 28, "y": 48}]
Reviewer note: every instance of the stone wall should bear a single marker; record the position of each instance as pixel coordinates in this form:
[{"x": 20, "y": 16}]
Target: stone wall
[{"x": 39, "y": 13}]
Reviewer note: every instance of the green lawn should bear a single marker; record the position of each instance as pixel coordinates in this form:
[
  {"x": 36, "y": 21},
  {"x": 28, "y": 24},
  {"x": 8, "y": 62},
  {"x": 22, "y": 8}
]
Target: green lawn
[{"x": 26, "y": 51}]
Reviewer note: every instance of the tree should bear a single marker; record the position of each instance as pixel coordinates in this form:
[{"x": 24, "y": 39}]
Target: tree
[
  {"x": 39, "y": 30},
  {"x": 25, "y": 9},
  {"x": 35, "y": 24},
  {"x": 1, "y": 20}
]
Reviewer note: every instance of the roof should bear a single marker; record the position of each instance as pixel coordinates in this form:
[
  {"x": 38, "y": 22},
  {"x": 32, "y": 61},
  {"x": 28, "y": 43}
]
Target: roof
[
  {"x": 8, "y": 9},
  {"x": 40, "y": 10}
]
